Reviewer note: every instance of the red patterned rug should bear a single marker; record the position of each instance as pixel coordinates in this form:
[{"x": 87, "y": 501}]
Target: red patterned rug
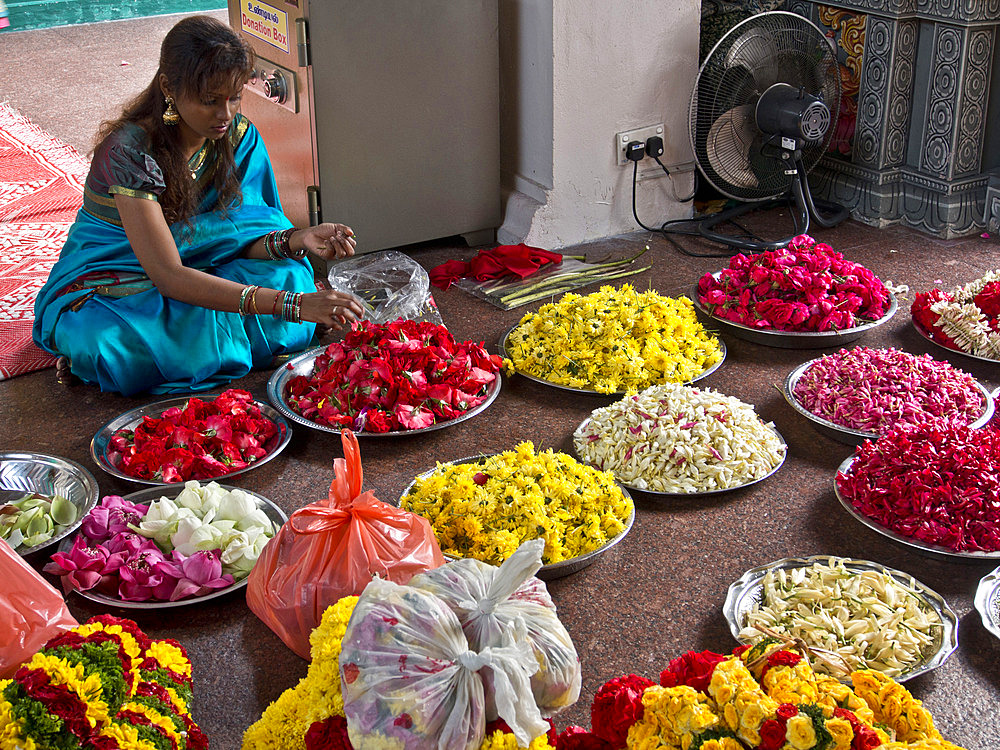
[{"x": 41, "y": 188}]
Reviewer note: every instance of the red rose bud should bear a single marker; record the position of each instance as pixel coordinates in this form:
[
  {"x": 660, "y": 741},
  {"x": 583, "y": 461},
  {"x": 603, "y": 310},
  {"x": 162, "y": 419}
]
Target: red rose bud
[
  {"x": 786, "y": 711},
  {"x": 480, "y": 478}
]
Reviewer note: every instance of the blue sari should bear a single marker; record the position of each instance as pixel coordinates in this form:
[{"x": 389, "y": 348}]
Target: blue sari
[{"x": 100, "y": 310}]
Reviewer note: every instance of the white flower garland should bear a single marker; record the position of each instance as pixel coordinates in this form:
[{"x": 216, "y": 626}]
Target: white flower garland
[{"x": 964, "y": 323}]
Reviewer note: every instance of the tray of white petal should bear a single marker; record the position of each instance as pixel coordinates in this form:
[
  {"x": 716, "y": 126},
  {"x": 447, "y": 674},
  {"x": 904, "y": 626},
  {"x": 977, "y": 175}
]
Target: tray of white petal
[{"x": 680, "y": 441}]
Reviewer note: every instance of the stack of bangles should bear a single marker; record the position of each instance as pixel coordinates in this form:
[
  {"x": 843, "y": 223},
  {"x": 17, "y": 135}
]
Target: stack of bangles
[
  {"x": 286, "y": 305},
  {"x": 278, "y": 245}
]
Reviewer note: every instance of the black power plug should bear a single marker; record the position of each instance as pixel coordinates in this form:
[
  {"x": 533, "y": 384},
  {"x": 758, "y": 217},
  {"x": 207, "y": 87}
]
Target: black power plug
[
  {"x": 635, "y": 151},
  {"x": 654, "y": 146}
]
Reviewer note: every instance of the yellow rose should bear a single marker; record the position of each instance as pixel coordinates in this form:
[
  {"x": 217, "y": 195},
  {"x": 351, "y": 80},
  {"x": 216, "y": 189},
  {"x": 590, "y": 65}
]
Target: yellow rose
[
  {"x": 753, "y": 716},
  {"x": 800, "y": 732},
  {"x": 842, "y": 733},
  {"x": 724, "y": 694},
  {"x": 731, "y": 717}
]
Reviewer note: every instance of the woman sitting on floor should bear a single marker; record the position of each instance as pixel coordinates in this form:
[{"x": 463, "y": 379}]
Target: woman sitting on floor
[{"x": 181, "y": 272}]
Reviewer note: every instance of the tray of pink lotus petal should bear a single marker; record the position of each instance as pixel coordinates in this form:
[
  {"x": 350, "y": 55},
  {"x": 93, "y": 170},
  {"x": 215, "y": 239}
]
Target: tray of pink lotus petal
[{"x": 200, "y": 574}]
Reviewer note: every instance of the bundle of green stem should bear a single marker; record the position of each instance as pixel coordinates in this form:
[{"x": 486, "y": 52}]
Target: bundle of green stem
[{"x": 554, "y": 280}]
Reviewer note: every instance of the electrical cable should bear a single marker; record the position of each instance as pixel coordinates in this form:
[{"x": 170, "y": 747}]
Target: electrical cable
[{"x": 673, "y": 187}]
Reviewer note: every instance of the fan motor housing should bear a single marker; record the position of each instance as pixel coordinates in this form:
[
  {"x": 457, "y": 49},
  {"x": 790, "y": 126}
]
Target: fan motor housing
[{"x": 790, "y": 112}]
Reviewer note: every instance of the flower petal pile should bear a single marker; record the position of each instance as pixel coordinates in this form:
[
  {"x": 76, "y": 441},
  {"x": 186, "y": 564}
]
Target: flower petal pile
[
  {"x": 613, "y": 341},
  {"x": 966, "y": 319},
  {"x": 202, "y": 440},
  {"x": 806, "y": 287},
  {"x": 936, "y": 483},
  {"x": 486, "y": 509},
  {"x": 205, "y": 539},
  {"x": 103, "y": 685},
  {"x": 680, "y": 439},
  {"x": 394, "y": 376},
  {"x": 873, "y": 390}
]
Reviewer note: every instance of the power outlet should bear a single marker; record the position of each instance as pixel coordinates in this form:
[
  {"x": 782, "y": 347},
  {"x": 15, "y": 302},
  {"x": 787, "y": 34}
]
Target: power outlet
[{"x": 639, "y": 134}]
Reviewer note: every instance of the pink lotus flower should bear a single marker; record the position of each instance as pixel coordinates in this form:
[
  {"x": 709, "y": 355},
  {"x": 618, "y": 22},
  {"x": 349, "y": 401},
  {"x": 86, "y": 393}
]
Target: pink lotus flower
[
  {"x": 198, "y": 574},
  {"x": 111, "y": 516},
  {"x": 82, "y": 568},
  {"x": 147, "y": 575}
]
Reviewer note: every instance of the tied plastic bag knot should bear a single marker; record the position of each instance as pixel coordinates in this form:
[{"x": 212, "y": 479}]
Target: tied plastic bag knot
[{"x": 472, "y": 661}]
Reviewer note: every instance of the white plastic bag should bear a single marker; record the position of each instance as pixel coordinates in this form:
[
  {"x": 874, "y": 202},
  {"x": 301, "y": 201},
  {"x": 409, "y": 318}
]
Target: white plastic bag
[
  {"x": 389, "y": 285},
  {"x": 489, "y": 600},
  {"x": 410, "y": 681}
]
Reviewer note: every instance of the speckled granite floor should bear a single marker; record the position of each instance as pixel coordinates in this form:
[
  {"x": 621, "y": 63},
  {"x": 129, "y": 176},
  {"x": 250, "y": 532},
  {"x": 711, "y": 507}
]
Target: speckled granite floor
[{"x": 660, "y": 591}]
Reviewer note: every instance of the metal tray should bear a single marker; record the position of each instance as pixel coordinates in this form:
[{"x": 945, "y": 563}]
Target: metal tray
[
  {"x": 99, "y": 445},
  {"x": 932, "y": 550},
  {"x": 543, "y": 381},
  {"x": 144, "y": 497},
  {"x": 923, "y": 332},
  {"x": 794, "y": 339},
  {"x": 705, "y": 493},
  {"x": 49, "y": 475},
  {"x": 988, "y": 601},
  {"x": 303, "y": 365},
  {"x": 551, "y": 570},
  {"x": 744, "y": 594},
  {"x": 846, "y": 434}
]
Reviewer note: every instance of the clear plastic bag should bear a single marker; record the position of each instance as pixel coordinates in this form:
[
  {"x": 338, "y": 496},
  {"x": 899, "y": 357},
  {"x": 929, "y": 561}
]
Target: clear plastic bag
[
  {"x": 488, "y": 600},
  {"x": 410, "y": 680},
  {"x": 331, "y": 549},
  {"x": 31, "y": 611},
  {"x": 389, "y": 285}
]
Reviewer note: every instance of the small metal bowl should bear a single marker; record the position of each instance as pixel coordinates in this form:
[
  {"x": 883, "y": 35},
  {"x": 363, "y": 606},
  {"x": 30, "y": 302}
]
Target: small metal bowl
[
  {"x": 549, "y": 571},
  {"x": 745, "y": 593},
  {"x": 851, "y": 436},
  {"x": 988, "y": 601},
  {"x": 48, "y": 475},
  {"x": 927, "y": 335}
]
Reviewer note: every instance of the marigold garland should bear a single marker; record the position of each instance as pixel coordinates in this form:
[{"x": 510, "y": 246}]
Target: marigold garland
[{"x": 614, "y": 340}]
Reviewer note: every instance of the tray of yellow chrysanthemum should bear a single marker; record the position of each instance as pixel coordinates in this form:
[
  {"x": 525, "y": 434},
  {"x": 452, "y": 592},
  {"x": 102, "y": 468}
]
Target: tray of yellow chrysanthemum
[
  {"x": 484, "y": 507},
  {"x": 852, "y": 614},
  {"x": 614, "y": 341}
]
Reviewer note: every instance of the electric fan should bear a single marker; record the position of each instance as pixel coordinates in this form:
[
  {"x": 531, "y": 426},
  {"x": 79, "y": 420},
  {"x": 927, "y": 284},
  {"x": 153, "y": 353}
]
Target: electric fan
[{"x": 760, "y": 119}]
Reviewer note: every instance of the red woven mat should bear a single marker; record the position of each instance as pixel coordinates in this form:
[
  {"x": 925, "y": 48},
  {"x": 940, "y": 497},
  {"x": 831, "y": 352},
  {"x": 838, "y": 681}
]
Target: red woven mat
[{"x": 41, "y": 188}]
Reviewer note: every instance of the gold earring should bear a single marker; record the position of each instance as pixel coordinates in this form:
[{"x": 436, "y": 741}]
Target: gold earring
[{"x": 170, "y": 116}]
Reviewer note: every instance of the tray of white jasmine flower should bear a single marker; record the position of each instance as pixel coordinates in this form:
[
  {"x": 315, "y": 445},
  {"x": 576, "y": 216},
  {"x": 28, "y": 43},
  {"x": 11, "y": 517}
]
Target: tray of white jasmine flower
[
  {"x": 614, "y": 341},
  {"x": 485, "y": 507}
]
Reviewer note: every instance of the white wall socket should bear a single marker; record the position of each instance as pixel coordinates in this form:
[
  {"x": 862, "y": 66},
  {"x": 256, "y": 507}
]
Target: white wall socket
[{"x": 638, "y": 134}]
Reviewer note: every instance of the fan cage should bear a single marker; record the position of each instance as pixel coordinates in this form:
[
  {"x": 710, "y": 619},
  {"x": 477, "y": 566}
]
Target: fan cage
[{"x": 732, "y": 153}]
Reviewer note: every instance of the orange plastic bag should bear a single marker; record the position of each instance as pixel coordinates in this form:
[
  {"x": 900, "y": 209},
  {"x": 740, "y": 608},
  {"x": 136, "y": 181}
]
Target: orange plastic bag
[
  {"x": 332, "y": 549},
  {"x": 31, "y": 611}
]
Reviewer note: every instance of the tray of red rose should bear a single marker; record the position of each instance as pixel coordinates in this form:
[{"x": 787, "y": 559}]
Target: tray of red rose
[
  {"x": 387, "y": 380},
  {"x": 165, "y": 547},
  {"x": 203, "y": 437}
]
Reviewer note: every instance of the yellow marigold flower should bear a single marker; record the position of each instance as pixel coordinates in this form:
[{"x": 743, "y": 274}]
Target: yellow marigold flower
[
  {"x": 613, "y": 340},
  {"x": 126, "y": 736},
  {"x": 800, "y": 732},
  {"x": 169, "y": 657},
  {"x": 282, "y": 726},
  {"x": 158, "y": 719},
  {"x": 842, "y": 733},
  {"x": 128, "y": 641},
  {"x": 86, "y": 687},
  {"x": 487, "y": 509},
  {"x": 11, "y": 737},
  {"x": 505, "y": 741}
]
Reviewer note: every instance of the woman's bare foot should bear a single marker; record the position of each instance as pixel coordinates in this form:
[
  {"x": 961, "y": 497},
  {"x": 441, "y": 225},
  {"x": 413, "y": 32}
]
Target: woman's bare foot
[{"x": 63, "y": 374}]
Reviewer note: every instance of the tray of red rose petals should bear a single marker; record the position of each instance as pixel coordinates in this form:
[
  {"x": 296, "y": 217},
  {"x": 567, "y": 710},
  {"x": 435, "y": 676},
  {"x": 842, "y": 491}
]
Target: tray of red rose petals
[
  {"x": 387, "y": 380},
  {"x": 932, "y": 498},
  {"x": 930, "y": 337},
  {"x": 988, "y": 601},
  {"x": 210, "y": 436},
  {"x": 883, "y": 387}
]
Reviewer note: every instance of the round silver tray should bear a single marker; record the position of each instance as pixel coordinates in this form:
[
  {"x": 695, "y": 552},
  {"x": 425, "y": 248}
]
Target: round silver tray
[
  {"x": 744, "y": 594},
  {"x": 543, "y": 381},
  {"x": 101, "y": 442},
  {"x": 143, "y": 497},
  {"x": 851, "y": 436},
  {"x": 704, "y": 493},
  {"x": 794, "y": 339},
  {"x": 923, "y": 332},
  {"x": 932, "y": 550},
  {"x": 988, "y": 601},
  {"x": 24, "y": 472},
  {"x": 549, "y": 571},
  {"x": 303, "y": 365}
]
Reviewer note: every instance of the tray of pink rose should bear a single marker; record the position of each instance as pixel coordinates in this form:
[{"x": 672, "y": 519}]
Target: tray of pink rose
[
  {"x": 387, "y": 380},
  {"x": 167, "y": 546},
  {"x": 804, "y": 296}
]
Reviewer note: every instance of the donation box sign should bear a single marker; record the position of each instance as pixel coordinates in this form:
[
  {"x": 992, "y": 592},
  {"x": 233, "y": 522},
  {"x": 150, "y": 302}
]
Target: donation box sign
[{"x": 265, "y": 22}]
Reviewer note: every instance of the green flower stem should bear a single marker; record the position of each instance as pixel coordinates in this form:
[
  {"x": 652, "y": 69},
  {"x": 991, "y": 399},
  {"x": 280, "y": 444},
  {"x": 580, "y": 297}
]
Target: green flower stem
[
  {"x": 597, "y": 272},
  {"x": 566, "y": 288}
]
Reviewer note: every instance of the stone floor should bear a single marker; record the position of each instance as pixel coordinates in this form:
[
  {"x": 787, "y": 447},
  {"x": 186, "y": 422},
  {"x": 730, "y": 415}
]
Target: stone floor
[{"x": 657, "y": 593}]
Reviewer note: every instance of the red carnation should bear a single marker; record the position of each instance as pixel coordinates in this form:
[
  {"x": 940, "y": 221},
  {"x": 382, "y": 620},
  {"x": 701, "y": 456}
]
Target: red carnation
[
  {"x": 695, "y": 669},
  {"x": 617, "y": 706},
  {"x": 578, "y": 738},
  {"x": 329, "y": 734}
]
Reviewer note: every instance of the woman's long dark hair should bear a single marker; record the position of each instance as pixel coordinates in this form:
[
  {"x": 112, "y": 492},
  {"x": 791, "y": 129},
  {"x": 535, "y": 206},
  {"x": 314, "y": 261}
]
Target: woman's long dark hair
[{"x": 198, "y": 54}]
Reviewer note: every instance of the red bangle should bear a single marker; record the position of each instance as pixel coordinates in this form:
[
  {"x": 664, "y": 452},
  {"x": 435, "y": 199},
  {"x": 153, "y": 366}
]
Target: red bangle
[{"x": 274, "y": 305}]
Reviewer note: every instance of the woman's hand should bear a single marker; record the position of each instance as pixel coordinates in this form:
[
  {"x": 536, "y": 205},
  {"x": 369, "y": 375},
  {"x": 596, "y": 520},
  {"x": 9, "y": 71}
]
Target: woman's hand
[
  {"x": 328, "y": 241},
  {"x": 333, "y": 309}
]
